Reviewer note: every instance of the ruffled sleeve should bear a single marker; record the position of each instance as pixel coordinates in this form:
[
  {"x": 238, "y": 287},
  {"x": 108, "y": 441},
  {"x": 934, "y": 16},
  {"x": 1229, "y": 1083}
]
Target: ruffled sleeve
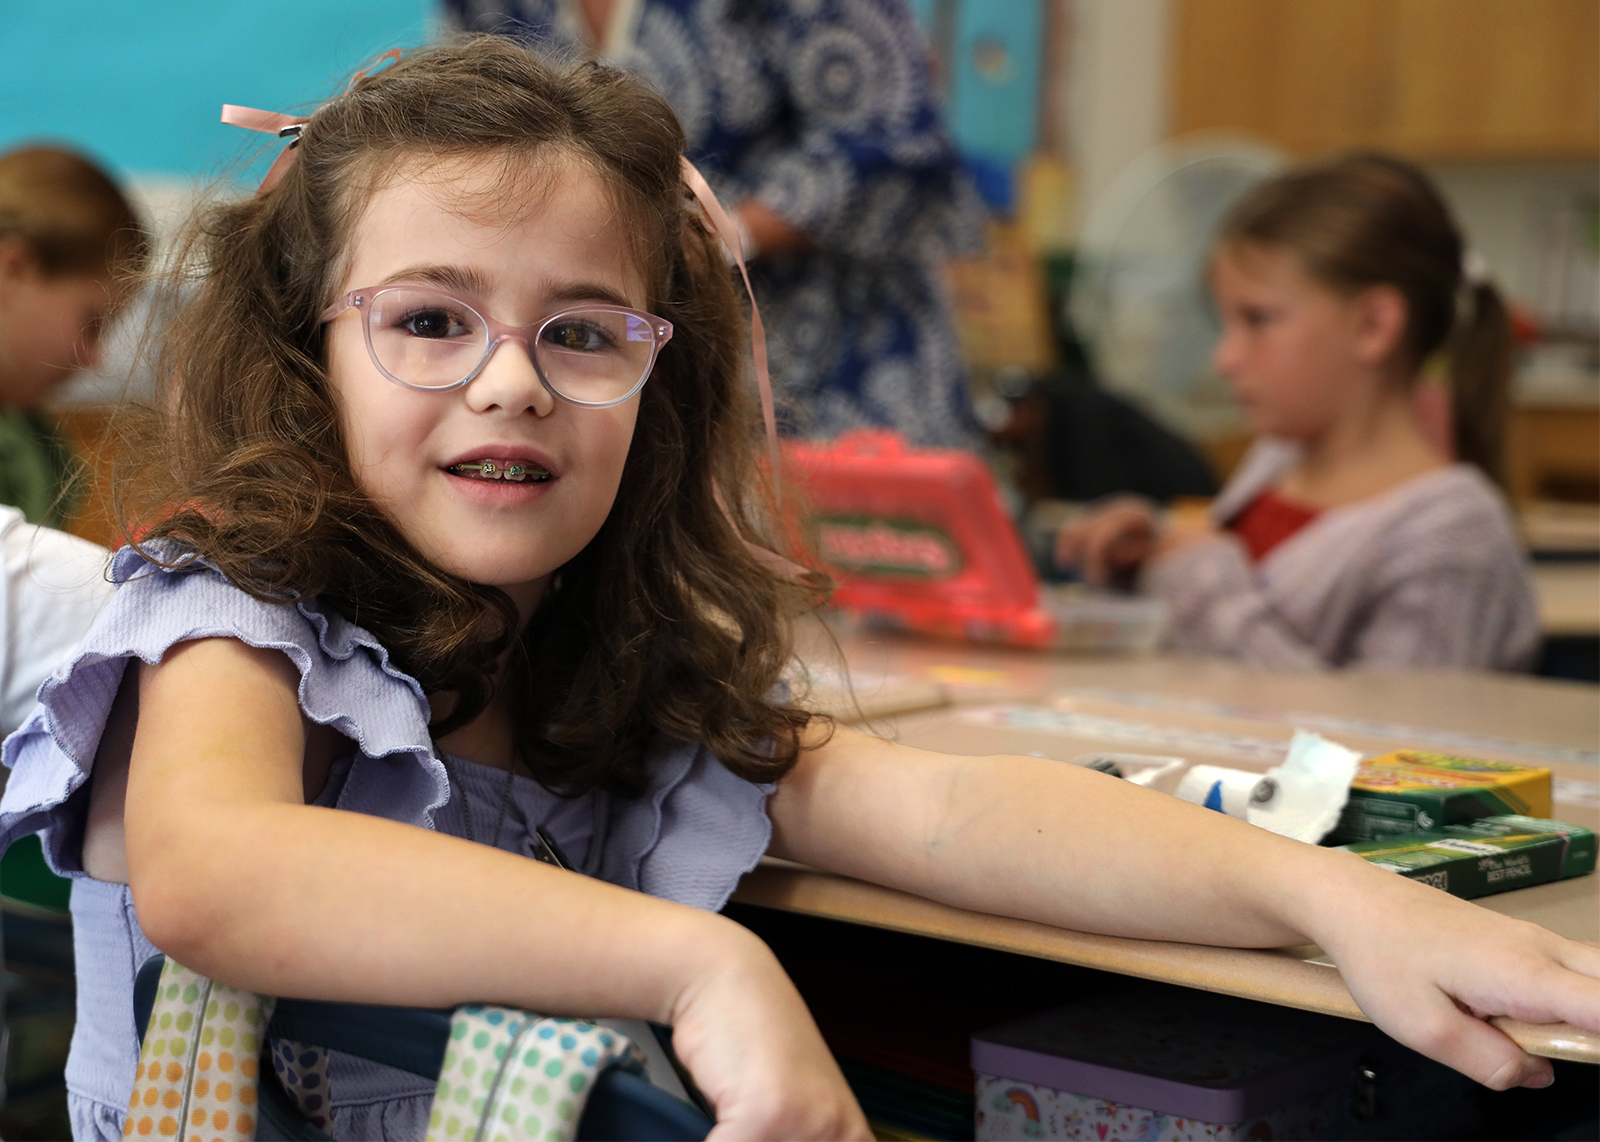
[
  {"x": 346, "y": 681},
  {"x": 694, "y": 833}
]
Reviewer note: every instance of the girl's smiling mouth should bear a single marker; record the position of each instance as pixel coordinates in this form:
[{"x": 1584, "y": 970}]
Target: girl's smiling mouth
[
  {"x": 498, "y": 474},
  {"x": 516, "y": 471}
]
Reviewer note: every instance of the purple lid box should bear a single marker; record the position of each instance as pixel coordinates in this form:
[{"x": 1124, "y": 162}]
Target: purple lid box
[{"x": 1191, "y": 1054}]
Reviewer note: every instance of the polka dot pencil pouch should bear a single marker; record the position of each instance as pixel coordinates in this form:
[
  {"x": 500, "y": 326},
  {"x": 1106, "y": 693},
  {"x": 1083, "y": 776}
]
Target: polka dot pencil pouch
[{"x": 507, "y": 1075}]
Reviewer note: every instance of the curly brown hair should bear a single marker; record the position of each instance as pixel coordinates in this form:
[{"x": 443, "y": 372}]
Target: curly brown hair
[{"x": 665, "y": 623}]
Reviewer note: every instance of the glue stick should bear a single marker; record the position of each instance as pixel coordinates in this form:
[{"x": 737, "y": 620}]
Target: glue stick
[{"x": 1230, "y": 791}]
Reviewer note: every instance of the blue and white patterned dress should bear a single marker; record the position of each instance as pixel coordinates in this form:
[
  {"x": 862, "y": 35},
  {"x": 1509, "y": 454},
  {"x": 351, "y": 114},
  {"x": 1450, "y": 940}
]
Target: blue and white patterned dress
[{"x": 822, "y": 111}]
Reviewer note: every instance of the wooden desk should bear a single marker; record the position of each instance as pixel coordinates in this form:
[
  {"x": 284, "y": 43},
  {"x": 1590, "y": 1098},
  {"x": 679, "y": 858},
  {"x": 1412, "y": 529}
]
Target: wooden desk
[
  {"x": 1549, "y": 526},
  {"x": 1569, "y": 598},
  {"x": 1553, "y": 449},
  {"x": 1215, "y": 712}
]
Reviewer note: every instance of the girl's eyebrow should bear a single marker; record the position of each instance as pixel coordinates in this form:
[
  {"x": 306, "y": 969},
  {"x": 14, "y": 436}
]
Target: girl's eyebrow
[
  {"x": 458, "y": 279},
  {"x": 589, "y": 291}
]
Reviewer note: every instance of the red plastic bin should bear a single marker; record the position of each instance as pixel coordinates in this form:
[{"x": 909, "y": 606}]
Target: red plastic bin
[{"x": 918, "y": 539}]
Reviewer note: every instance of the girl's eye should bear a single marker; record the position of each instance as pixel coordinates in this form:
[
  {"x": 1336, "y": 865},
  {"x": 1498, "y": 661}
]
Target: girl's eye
[
  {"x": 578, "y": 336},
  {"x": 435, "y": 324}
]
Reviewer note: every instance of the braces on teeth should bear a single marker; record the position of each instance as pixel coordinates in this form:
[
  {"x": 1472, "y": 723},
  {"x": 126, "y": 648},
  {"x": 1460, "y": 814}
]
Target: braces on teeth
[{"x": 489, "y": 470}]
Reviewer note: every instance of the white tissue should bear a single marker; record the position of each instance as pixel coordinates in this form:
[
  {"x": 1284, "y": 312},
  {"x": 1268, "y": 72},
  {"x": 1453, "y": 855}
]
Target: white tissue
[{"x": 1313, "y": 785}]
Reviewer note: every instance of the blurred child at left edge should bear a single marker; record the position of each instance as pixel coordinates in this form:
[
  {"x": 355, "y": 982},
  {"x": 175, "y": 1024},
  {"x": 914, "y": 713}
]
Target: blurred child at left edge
[{"x": 70, "y": 247}]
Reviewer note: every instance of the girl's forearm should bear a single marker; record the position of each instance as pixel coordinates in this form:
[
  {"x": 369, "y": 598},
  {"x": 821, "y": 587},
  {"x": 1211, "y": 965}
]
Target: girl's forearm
[
  {"x": 1067, "y": 846},
  {"x": 236, "y": 877},
  {"x": 287, "y": 899},
  {"x": 1056, "y": 843}
]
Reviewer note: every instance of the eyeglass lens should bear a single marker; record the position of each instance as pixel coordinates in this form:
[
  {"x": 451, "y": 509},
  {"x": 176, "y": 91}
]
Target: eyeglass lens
[{"x": 431, "y": 340}]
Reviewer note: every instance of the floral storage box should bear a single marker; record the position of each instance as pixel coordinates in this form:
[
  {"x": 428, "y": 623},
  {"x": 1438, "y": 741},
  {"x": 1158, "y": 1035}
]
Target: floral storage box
[{"x": 1169, "y": 1063}]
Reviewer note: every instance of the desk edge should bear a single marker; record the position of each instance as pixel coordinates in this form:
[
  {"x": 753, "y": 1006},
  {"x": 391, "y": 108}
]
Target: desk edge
[{"x": 1268, "y": 975}]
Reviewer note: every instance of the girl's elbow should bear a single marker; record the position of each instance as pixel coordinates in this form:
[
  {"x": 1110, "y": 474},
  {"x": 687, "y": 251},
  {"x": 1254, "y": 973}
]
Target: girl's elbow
[
  {"x": 180, "y": 910},
  {"x": 172, "y": 918}
]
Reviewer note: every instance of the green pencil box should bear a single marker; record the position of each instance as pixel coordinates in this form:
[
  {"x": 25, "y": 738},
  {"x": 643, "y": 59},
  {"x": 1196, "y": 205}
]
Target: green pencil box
[{"x": 1493, "y": 855}]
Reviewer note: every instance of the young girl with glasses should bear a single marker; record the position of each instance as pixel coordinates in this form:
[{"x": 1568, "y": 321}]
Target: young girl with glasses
[{"x": 454, "y": 509}]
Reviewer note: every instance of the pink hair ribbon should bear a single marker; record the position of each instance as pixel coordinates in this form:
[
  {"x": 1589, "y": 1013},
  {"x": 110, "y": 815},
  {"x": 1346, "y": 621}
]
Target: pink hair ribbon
[
  {"x": 268, "y": 123},
  {"x": 288, "y": 126},
  {"x": 729, "y": 233}
]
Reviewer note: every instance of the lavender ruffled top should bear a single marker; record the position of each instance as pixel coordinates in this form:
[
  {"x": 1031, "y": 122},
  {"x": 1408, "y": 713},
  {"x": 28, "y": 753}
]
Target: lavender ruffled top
[{"x": 693, "y": 834}]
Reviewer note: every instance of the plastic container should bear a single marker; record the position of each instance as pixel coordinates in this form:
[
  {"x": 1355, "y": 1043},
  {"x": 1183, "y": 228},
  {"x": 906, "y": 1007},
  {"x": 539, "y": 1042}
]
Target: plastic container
[
  {"x": 1100, "y": 622},
  {"x": 918, "y": 539}
]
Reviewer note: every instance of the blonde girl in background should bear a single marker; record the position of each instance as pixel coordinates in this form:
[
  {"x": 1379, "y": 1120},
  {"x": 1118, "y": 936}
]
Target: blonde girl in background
[
  {"x": 1350, "y": 535},
  {"x": 465, "y": 455}
]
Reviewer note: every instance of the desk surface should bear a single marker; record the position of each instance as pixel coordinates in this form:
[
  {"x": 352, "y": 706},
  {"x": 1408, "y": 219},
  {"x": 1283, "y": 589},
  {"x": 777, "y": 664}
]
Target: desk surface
[{"x": 1015, "y": 702}]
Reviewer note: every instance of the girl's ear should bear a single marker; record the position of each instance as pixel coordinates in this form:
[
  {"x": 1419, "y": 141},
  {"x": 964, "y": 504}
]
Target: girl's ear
[
  {"x": 18, "y": 262},
  {"x": 1381, "y": 315}
]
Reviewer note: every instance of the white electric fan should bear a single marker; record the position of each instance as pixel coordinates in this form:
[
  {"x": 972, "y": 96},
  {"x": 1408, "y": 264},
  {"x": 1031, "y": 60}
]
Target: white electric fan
[{"x": 1139, "y": 297}]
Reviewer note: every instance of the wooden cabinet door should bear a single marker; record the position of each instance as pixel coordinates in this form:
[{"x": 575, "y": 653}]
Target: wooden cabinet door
[
  {"x": 1305, "y": 74},
  {"x": 1496, "y": 79},
  {"x": 1434, "y": 79}
]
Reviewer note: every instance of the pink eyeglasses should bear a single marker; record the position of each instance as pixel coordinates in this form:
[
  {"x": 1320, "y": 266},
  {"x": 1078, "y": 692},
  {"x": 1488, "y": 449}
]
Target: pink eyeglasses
[{"x": 593, "y": 355}]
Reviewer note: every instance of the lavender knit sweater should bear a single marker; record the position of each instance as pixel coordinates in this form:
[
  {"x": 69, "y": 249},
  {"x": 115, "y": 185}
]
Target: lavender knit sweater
[{"x": 1427, "y": 574}]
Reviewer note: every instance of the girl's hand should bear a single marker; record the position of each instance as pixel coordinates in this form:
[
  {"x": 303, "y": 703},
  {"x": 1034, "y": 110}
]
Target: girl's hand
[
  {"x": 1429, "y": 969},
  {"x": 1184, "y": 528},
  {"x": 1109, "y": 543},
  {"x": 745, "y": 1035},
  {"x": 764, "y": 234}
]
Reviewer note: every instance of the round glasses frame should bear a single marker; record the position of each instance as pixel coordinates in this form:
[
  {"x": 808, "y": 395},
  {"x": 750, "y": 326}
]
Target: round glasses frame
[{"x": 660, "y": 333}]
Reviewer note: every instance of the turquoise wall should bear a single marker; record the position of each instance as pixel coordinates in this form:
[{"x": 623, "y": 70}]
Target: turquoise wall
[
  {"x": 139, "y": 84},
  {"x": 995, "y": 102},
  {"x": 991, "y": 53},
  {"x": 992, "y": 63}
]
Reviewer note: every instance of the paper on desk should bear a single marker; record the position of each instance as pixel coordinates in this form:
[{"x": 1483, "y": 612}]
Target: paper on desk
[
  {"x": 862, "y": 696},
  {"x": 1313, "y": 785}
]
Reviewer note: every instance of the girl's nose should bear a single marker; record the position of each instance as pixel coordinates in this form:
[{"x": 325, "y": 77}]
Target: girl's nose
[
  {"x": 509, "y": 383},
  {"x": 1225, "y": 356}
]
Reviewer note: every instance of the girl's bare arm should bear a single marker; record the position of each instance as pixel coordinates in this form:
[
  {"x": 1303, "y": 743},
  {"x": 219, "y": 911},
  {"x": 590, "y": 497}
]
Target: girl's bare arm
[
  {"x": 1063, "y": 845},
  {"x": 236, "y": 877}
]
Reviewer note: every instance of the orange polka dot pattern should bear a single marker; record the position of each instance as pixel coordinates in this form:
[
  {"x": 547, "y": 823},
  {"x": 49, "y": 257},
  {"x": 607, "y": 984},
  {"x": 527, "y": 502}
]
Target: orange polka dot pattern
[
  {"x": 199, "y": 1063},
  {"x": 508, "y": 1075}
]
